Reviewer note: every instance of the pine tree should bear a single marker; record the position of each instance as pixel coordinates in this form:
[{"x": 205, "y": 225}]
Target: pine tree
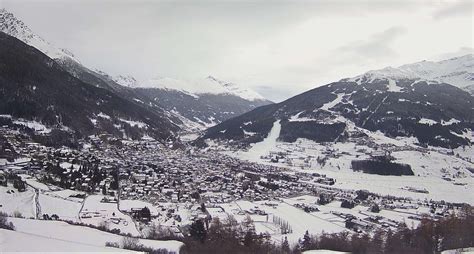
[
  {"x": 249, "y": 238},
  {"x": 198, "y": 231},
  {"x": 285, "y": 246},
  {"x": 306, "y": 243}
]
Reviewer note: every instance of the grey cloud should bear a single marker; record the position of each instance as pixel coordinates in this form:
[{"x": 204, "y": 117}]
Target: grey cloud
[
  {"x": 377, "y": 46},
  {"x": 276, "y": 93},
  {"x": 196, "y": 38},
  {"x": 457, "y": 8},
  {"x": 462, "y": 51}
]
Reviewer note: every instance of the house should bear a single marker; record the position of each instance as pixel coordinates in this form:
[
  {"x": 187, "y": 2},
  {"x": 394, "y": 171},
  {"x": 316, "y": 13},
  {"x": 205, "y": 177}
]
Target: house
[{"x": 141, "y": 214}]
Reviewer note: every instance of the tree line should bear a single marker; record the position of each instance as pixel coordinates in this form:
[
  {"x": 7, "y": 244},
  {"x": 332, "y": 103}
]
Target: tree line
[{"x": 430, "y": 236}]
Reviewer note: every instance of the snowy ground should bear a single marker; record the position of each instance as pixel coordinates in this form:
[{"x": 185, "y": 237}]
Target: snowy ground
[
  {"x": 79, "y": 236},
  {"x": 429, "y": 165},
  {"x": 65, "y": 208},
  {"x": 323, "y": 252},
  {"x": 34, "y": 183},
  {"x": 12, "y": 241},
  {"x": 459, "y": 251},
  {"x": 98, "y": 213},
  {"x": 49, "y": 202},
  {"x": 325, "y": 220},
  {"x": 22, "y": 202},
  {"x": 299, "y": 220},
  {"x": 327, "y": 211},
  {"x": 261, "y": 149}
]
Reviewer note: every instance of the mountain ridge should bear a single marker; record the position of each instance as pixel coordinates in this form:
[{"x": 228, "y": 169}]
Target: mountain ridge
[
  {"x": 396, "y": 105},
  {"x": 9, "y": 24},
  {"x": 208, "y": 85},
  {"x": 456, "y": 71},
  {"x": 49, "y": 95}
]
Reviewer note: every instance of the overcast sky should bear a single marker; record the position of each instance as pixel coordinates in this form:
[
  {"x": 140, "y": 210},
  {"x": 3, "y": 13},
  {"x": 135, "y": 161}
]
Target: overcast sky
[{"x": 278, "y": 48}]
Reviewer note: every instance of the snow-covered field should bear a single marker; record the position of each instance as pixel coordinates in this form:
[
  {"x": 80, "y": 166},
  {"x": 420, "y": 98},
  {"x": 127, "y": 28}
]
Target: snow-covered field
[
  {"x": 323, "y": 252},
  {"x": 260, "y": 149},
  {"x": 325, "y": 220},
  {"x": 12, "y": 201},
  {"x": 459, "y": 251},
  {"x": 98, "y": 213},
  {"x": 327, "y": 211},
  {"x": 34, "y": 183},
  {"x": 429, "y": 165},
  {"x": 77, "y": 237},
  {"x": 299, "y": 220},
  {"x": 13, "y": 241},
  {"x": 65, "y": 208}
]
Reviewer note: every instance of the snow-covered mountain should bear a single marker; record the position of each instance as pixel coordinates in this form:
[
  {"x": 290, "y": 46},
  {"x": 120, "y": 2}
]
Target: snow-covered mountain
[
  {"x": 12, "y": 26},
  {"x": 48, "y": 96},
  {"x": 200, "y": 103},
  {"x": 458, "y": 71},
  {"x": 209, "y": 85},
  {"x": 126, "y": 80},
  {"x": 395, "y": 101}
]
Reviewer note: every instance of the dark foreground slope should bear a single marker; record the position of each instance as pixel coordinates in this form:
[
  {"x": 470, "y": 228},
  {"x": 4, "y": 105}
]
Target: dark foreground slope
[{"x": 35, "y": 87}]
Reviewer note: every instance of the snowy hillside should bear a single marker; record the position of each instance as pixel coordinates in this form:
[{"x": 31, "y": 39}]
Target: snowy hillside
[
  {"x": 209, "y": 85},
  {"x": 200, "y": 103},
  {"x": 10, "y": 25},
  {"x": 396, "y": 107},
  {"x": 458, "y": 71},
  {"x": 64, "y": 237},
  {"x": 127, "y": 81}
]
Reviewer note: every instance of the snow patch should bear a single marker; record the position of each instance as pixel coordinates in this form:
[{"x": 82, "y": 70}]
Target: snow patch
[
  {"x": 334, "y": 102},
  {"x": 37, "y": 126},
  {"x": 102, "y": 115},
  {"x": 392, "y": 86},
  {"x": 427, "y": 121},
  {"x": 138, "y": 124}
]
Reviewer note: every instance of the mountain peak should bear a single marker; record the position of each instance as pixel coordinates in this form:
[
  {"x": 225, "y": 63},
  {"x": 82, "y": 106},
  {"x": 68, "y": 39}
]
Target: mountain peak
[
  {"x": 208, "y": 85},
  {"x": 235, "y": 89},
  {"x": 12, "y": 26},
  {"x": 125, "y": 80},
  {"x": 210, "y": 77},
  {"x": 457, "y": 71}
]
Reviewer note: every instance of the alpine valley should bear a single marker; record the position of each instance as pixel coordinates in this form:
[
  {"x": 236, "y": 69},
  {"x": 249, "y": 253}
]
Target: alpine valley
[
  {"x": 164, "y": 102},
  {"x": 382, "y": 162}
]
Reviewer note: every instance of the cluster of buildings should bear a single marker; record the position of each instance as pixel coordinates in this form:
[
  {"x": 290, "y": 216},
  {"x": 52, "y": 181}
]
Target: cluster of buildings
[{"x": 150, "y": 171}]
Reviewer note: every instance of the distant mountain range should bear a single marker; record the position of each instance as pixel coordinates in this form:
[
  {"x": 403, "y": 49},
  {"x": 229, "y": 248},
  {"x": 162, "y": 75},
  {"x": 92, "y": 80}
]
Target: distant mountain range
[
  {"x": 458, "y": 71},
  {"x": 204, "y": 102},
  {"x": 412, "y": 100},
  {"x": 37, "y": 91},
  {"x": 193, "y": 105},
  {"x": 427, "y": 100}
]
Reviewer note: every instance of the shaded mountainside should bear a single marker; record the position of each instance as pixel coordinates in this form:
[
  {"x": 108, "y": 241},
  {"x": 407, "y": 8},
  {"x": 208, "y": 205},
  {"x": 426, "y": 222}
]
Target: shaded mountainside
[
  {"x": 199, "y": 103},
  {"x": 204, "y": 110},
  {"x": 12, "y": 26},
  {"x": 216, "y": 100},
  {"x": 88, "y": 76},
  {"x": 435, "y": 113},
  {"x": 35, "y": 87}
]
